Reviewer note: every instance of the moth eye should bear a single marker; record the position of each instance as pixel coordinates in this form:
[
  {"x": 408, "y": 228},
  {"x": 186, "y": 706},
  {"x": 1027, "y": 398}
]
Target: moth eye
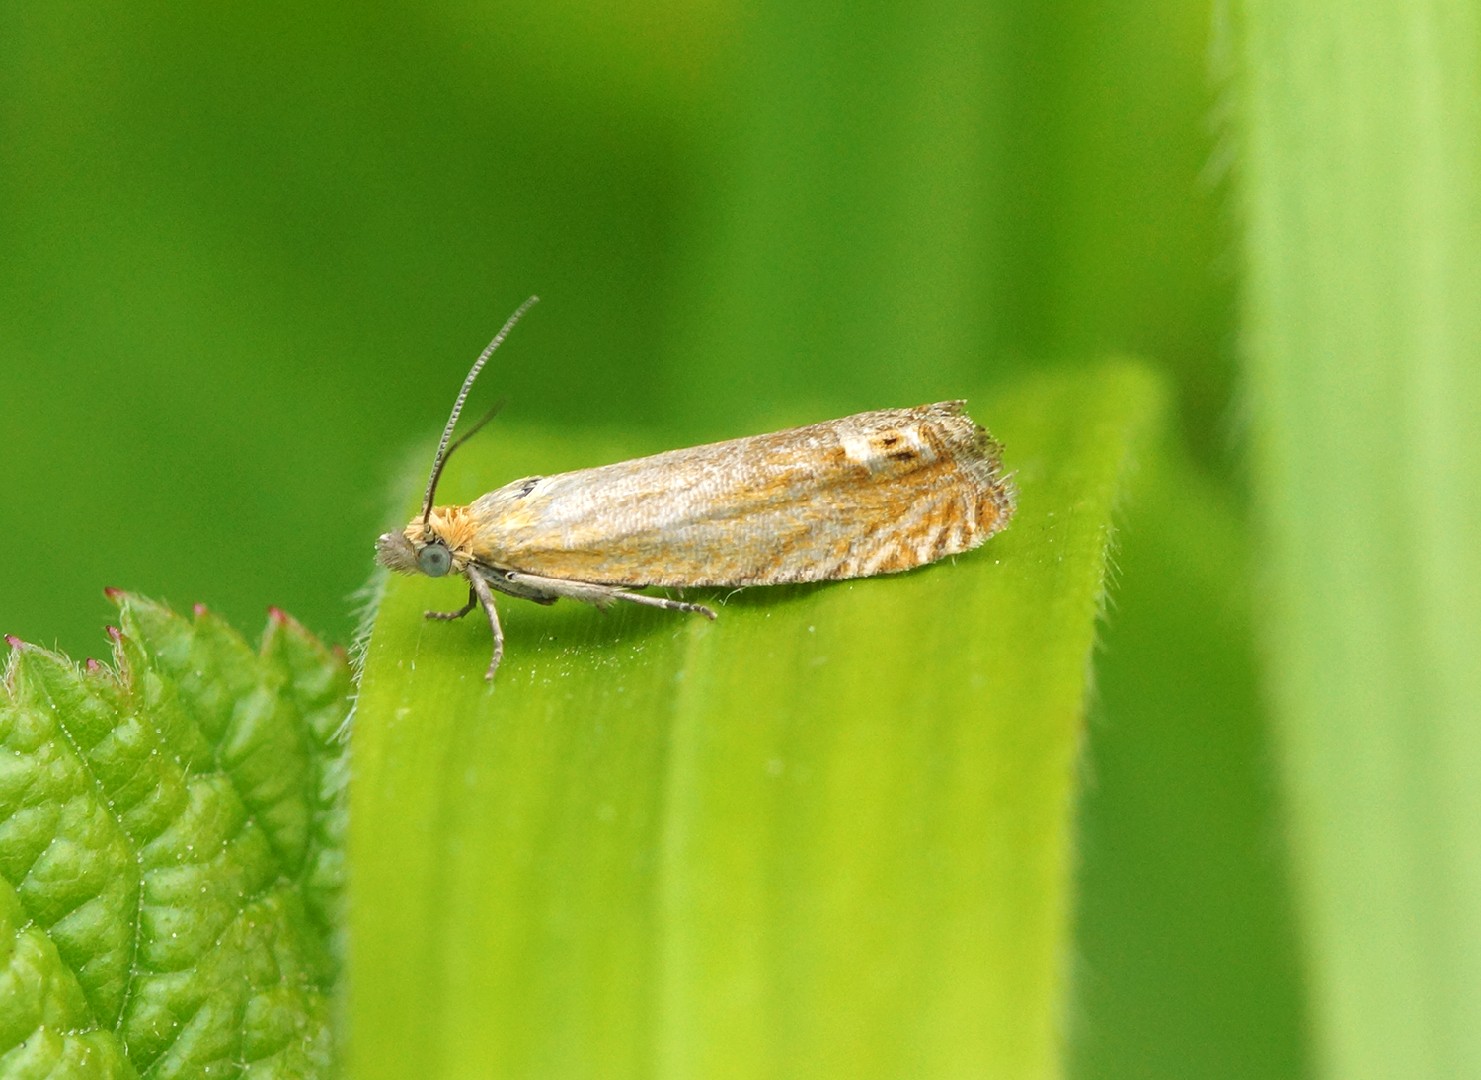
[{"x": 434, "y": 560}]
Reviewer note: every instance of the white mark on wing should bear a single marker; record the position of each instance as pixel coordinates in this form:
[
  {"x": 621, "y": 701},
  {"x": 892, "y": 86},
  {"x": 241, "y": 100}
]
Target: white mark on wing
[
  {"x": 925, "y": 547},
  {"x": 856, "y": 449},
  {"x": 882, "y": 555},
  {"x": 912, "y": 435}
]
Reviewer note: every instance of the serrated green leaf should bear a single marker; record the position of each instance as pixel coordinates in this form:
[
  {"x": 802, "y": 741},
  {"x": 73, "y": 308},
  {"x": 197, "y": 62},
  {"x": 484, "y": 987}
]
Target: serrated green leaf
[
  {"x": 170, "y": 852},
  {"x": 825, "y": 835}
]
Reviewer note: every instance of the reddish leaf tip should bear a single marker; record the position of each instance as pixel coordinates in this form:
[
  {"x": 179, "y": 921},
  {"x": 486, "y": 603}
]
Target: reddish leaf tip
[
  {"x": 115, "y": 633},
  {"x": 278, "y": 615},
  {"x": 93, "y": 667},
  {"x": 113, "y": 593},
  {"x": 14, "y": 642},
  {"x": 200, "y": 609}
]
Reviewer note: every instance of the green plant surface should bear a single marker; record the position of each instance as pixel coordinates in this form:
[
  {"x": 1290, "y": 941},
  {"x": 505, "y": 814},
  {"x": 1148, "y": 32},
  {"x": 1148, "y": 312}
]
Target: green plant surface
[
  {"x": 171, "y": 853},
  {"x": 827, "y": 834},
  {"x": 1179, "y": 841},
  {"x": 1363, "y": 248}
]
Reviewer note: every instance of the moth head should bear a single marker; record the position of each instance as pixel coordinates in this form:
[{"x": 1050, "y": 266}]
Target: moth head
[
  {"x": 437, "y": 542},
  {"x": 419, "y": 549}
]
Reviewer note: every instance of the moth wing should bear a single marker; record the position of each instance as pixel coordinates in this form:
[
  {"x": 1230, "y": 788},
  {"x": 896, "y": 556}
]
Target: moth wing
[{"x": 874, "y": 493}]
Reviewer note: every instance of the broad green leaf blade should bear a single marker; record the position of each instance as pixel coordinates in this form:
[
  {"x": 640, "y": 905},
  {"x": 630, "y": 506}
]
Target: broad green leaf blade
[
  {"x": 1363, "y": 193},
  {"x": 1185, "y": 939},
  {"x": 171, "y": 853},
  {"x": 825, "y": 835}
]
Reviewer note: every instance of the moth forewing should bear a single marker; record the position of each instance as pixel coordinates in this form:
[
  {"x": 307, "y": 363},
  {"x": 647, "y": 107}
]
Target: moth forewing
[{"x": 869, "y": 494}]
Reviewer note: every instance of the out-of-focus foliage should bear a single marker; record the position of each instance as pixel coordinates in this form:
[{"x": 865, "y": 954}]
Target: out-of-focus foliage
[{"x": 1363, "y": 197}]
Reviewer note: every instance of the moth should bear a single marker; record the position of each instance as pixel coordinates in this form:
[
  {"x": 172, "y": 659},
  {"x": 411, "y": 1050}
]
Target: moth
[{"x": 875, "y": 493}]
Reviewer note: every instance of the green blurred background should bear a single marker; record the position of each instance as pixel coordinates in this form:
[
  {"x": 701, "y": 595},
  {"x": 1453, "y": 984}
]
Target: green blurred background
[{"x": 246, "y": 254}]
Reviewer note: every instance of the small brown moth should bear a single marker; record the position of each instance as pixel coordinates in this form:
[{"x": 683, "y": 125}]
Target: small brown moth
[{"x": 875, "y": 493}]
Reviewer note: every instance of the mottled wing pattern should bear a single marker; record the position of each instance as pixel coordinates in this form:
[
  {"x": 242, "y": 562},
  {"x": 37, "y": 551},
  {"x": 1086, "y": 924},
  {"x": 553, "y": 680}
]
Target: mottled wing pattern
[{"x": 869, "y": 494}]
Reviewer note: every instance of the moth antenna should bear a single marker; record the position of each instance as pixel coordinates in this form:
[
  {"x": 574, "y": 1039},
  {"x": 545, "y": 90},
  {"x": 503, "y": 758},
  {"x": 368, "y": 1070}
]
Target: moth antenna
[
  {"x": 443, "y": 450},
  {"x": 497, "y": 408}
]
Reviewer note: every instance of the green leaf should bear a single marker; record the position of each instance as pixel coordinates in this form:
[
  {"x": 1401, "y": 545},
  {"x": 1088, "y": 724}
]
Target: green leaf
[
  {"x": 1179, "y": 832},
  {"x": 824, "y": 835},
  {"x": 1362, "y": 128},
  {"x": 171, "y": 850}
]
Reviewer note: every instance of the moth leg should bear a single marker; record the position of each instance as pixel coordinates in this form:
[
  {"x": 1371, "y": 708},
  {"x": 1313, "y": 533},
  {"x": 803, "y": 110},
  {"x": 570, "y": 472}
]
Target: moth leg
[
  {"x": 589, "y": 592},
  {"x": 486, "y": 597},
  {"x": 663, "y": 602},
  {"x": 469, "y": 606}
]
